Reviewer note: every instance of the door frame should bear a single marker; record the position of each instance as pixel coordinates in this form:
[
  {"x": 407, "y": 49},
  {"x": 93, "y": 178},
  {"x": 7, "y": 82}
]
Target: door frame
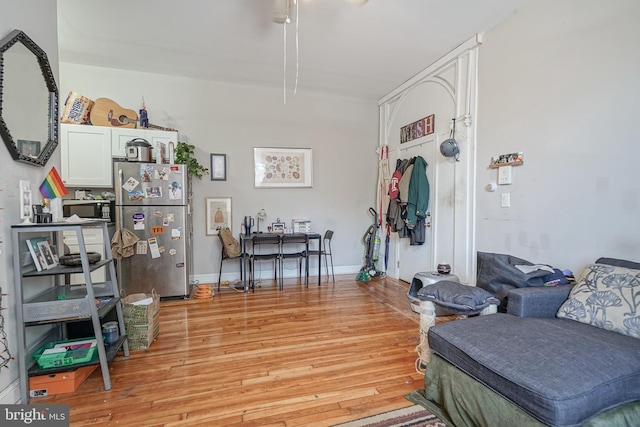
[
  {"x": 432, "y": 169},
  {"x": 457, "y": 73}
]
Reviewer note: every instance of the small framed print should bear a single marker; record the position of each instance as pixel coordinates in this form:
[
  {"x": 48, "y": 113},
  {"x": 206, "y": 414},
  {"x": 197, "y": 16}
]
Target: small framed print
[
  {"x": 218, "y": 167},
  {"x": 218, "y": 213},
  {"x": 277, "y": 227},
  {"x": 47, "y": 253}
]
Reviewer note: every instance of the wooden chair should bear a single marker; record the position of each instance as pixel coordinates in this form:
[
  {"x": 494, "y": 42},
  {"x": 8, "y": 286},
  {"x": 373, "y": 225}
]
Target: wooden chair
[
  {"x": 272, "y": 245},
  {"x": 325, "y": 251},
  {"x": 287, "y": 241}
]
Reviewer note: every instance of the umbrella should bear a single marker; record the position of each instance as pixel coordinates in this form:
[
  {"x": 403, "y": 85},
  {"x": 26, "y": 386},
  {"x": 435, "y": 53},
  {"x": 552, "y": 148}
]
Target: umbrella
[{"x": 386, "y": 248}]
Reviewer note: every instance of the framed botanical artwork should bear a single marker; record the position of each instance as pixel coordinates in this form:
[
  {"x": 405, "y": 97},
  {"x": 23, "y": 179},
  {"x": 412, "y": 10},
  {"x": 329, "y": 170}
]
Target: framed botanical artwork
[
  {"x": 283, "y": 167},
  {"x": 218, "y": 211},
  {"x": 218, "y": 167}
]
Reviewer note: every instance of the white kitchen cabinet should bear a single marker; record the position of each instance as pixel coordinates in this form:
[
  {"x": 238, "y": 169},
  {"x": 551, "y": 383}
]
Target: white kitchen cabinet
[
  {"x": 120, "y": 137},
  {"x": 87, "y": 151},
  {"x": 86, "y": 156}
]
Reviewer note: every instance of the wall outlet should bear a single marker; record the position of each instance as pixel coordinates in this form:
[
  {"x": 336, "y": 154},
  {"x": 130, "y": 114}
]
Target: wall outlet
[{"x": 505, "y": 200}]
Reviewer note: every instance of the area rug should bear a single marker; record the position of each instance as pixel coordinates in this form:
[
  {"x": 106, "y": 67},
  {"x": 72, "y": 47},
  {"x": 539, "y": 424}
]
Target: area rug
[{"x": 412, "y": 416}]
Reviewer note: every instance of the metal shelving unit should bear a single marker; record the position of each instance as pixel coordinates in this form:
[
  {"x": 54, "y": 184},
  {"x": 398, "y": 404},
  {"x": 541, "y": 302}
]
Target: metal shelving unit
[{"x": 58, "y": 303}]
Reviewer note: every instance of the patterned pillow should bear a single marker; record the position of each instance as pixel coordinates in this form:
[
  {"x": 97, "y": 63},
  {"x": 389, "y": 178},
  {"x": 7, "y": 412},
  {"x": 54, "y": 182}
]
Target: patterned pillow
[{"x": 607, "y": 297}]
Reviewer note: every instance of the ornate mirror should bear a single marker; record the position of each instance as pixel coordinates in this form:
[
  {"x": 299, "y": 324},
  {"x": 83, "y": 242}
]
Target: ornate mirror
[{"x": 28, "y": 100}]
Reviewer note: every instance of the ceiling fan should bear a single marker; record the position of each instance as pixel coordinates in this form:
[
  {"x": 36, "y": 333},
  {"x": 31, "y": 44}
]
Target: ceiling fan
[
  {"x": 282, "y": 14},
  {"x": 282, "y": 9}
]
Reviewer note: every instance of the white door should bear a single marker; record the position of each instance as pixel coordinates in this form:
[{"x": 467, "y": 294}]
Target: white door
[{"x": 416, "y": 258}]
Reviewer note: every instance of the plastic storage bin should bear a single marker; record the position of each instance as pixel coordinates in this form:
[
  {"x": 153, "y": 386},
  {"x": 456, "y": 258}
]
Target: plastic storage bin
[
  {"x": 61, "y": 382},
  {"x": 65, "y": 353}
]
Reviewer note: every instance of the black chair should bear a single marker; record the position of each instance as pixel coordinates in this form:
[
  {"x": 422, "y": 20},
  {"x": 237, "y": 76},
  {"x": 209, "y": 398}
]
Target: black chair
[
  {"x": 324, "y": 250},
  {"x": 225, "y": 256},
  {"x": 259, "y": 253},
  {"x": 287, "y": 241}
]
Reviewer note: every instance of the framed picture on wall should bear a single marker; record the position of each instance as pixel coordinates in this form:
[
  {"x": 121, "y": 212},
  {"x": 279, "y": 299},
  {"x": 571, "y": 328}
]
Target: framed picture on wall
[
  {"x": 218, "y": 214},
  {"x": 283, "y": 167},
  {"x": 218, "y": 167}
]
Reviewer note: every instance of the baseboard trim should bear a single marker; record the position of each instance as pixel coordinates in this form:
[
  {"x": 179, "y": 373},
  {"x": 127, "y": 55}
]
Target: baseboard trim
[{"x": 234, "y": 275}]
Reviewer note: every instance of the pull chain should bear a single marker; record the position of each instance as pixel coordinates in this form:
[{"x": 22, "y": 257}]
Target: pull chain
[{"x": 284, "y": 42}]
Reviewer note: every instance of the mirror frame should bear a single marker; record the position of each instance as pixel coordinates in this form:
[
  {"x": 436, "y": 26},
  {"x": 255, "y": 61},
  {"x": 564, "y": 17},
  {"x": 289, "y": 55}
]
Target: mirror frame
[{"x": 17, "y": 36}]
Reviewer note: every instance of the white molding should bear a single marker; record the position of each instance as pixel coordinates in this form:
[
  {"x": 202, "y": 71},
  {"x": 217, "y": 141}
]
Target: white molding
[
  {"x": 457, "y": 73},
  {"x": 433, "y": 68},
  {"x": 11, "y": 394}
]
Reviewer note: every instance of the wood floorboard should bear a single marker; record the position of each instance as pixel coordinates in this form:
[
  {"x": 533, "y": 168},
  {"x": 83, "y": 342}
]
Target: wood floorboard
[{"x": 315, "y": 356}]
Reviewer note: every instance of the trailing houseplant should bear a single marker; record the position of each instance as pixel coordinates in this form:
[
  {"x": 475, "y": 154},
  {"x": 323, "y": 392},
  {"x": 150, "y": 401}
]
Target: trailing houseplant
[{"x": 185, "y": 155}]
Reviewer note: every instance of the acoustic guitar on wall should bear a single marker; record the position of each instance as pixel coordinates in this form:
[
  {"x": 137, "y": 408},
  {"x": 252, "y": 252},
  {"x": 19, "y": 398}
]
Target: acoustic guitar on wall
[{"x": 106, "y": 112}]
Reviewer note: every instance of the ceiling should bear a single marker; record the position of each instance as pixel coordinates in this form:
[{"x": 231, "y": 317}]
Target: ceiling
[{"x": 363, "y": 51}]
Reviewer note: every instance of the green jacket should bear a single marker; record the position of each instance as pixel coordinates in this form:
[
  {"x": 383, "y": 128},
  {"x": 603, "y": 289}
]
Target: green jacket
[{"x": 418, "y": 198}]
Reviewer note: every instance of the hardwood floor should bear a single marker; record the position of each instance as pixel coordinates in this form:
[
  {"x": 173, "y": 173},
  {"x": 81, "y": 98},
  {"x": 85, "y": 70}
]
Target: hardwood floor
[{"x": 313, "y": 356}]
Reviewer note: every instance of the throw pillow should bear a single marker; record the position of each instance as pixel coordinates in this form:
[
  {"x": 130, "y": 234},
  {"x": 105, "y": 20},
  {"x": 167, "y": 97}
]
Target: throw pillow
[
  {"x": 607, "y": 297},
  {"x": 458, "y": 298}
]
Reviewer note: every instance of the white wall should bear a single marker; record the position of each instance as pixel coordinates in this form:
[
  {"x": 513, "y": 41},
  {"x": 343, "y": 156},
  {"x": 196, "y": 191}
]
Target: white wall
[
  {"x": 233, "y": 119},
  {"x": 41, "y": 27},
  {"x": 559, "y": 81}
]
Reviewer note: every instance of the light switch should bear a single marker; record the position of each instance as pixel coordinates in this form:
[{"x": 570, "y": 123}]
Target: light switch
[
  {"x": 504, "y": 175},
  {"x": 505, "y": 200}
]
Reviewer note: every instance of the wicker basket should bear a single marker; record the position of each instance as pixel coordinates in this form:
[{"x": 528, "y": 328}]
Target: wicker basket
[
  {"x": 142, "y": 322},
  {"x": 140, "y": 337},
  {"x": 140, "y": 314}
]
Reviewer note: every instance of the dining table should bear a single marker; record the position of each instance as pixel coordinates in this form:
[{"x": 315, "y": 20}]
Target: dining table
[{"x": 247, "y": 239}]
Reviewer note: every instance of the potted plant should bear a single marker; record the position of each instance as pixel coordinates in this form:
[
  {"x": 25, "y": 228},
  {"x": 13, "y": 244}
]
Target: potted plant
[{"x": 185, "y": 154}]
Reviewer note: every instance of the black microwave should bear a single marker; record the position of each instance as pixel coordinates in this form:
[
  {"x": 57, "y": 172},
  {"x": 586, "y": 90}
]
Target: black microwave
[{"x": 101, "y": 209}]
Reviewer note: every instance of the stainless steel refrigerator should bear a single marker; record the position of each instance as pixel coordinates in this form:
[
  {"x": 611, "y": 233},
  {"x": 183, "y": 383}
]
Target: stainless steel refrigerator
[{"x": 152, "y": 203}]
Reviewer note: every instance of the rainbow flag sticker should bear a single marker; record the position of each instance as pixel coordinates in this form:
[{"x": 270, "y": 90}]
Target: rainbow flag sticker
[{"x": 52, "y": 185}]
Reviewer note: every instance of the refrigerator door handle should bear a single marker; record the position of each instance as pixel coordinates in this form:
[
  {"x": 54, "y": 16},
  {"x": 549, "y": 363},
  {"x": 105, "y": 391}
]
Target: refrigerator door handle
[{"x": 121, "y": 207}]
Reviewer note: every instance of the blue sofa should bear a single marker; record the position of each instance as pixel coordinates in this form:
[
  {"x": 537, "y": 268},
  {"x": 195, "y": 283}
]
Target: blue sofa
[{"x": 560, "y": 356}]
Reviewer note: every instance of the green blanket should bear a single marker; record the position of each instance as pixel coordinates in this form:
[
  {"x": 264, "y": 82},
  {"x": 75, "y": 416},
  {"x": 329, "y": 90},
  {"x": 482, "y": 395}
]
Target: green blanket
[{"x": 461, "y": 401}]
